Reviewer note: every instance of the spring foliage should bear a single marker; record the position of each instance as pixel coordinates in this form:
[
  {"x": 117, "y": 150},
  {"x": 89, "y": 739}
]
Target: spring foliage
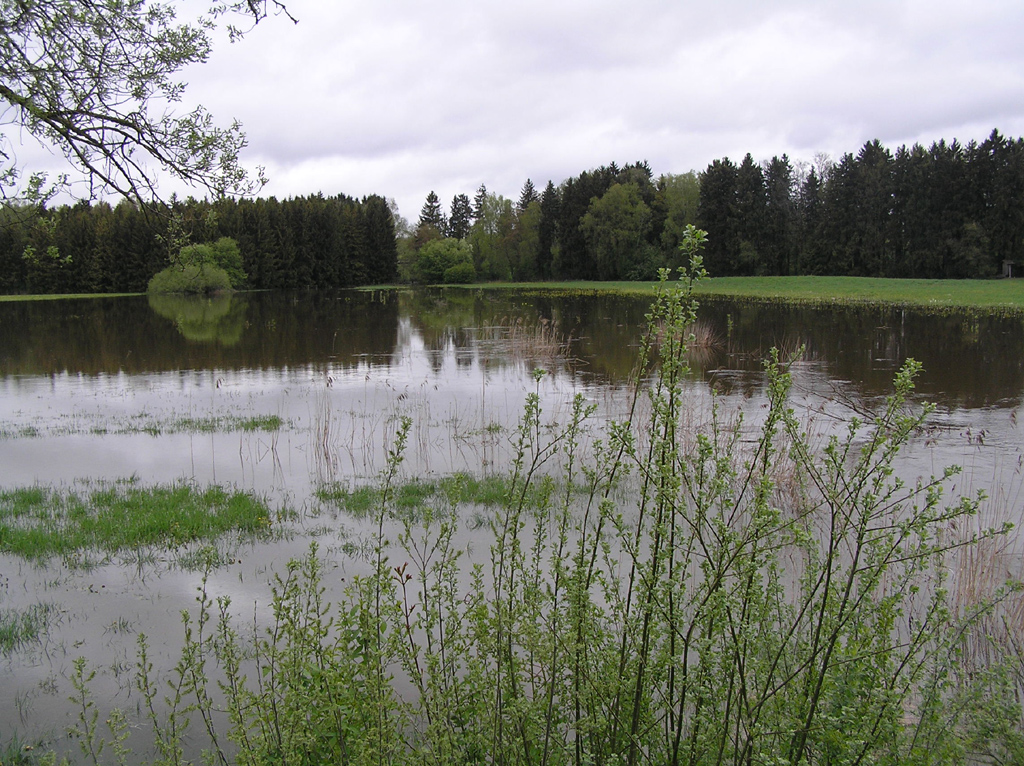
[{"x": 97, "y": 82}]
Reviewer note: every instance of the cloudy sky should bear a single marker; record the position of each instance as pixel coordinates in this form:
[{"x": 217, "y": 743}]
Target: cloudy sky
[{"x": 398, "y": 97}]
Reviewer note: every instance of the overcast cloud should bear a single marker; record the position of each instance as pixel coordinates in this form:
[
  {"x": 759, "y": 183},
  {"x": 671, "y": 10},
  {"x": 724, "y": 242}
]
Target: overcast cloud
[{"x": 398, "y": 97}]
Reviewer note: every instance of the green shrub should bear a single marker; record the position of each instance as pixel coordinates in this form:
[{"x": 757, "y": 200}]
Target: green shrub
[
  {"x": 438, "y": 256},
  {"x": 223, "y": 253},
  {"x": 191, "y": 278},
  {"x": 460, "y": 274}
]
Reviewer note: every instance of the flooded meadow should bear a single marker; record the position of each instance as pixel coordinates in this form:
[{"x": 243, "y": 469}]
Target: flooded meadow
[{"x": 298, "y": 399}]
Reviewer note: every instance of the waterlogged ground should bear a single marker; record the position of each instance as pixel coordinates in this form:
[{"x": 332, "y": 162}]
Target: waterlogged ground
[{"x": 284, "y": 395}]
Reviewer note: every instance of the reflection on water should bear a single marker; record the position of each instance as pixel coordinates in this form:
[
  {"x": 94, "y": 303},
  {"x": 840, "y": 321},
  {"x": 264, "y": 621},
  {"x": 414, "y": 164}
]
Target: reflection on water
[
  {"x": 204, "y": 319},
  {"x": 108, "y": 388},
  {"x": 970, "y": 360}
]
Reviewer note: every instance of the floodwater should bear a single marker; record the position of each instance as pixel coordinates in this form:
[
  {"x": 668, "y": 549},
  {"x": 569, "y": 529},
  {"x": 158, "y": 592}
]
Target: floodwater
[{"x": 107, "y": 389}]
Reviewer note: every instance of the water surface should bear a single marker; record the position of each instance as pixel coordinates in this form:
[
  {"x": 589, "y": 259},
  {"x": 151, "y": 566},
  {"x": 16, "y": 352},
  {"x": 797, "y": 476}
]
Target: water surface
[{"x": 115, "y": 388}]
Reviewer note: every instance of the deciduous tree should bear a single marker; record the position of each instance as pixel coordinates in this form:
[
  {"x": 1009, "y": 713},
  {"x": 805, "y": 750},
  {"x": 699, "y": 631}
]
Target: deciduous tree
[
  {"x": 676, "y": 201},
  {"x": 616, "y": 227},
  {"x": 94, "y": 81},
  {"x": 445, "y": 260}
]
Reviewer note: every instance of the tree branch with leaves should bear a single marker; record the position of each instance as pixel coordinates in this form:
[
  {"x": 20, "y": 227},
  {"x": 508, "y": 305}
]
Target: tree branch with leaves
[{"x": 97, "y": 81}]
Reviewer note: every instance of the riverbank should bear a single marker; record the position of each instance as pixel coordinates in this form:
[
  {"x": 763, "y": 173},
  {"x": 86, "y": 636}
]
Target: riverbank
[
  {"x": 981, "y": 294},
  {"x": 62, "y": 296}
]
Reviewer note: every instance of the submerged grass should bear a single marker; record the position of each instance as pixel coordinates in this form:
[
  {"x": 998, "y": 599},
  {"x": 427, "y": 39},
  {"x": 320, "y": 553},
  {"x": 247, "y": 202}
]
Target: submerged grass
[
  {"x": 144, "y": 424},
  {"x": 22, "y": 626},
  {"x": 10, "y": 431},
  {"x": 39, "y": 522},
  {"x": 19, "y": 752},
  {"x": 224, "y": 423},
  {"x": 409, "y": 498}
]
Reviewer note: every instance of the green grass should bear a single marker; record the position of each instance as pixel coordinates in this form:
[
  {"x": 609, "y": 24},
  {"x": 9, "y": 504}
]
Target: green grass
[
  {"x": 18, "y": 432},
  {"x": 200, "y": 425},
  {"x": 939, "y": 293},
  {"x": 988, "y": 294},
  {"x": 18, "y": 752},
  {"x": 144, "y": 424},
  {"x": 984, "y": 294},
  {"x": 223, "y": 423},
  {"x": 62, "y": 296},
  {"x": 21, "y": 626},
  {"x": 415, "y": 495},
  {"x": 39, "y": 522}
]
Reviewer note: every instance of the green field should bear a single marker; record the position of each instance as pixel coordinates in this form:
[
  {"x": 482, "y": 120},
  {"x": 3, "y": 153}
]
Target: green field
[
  {"x": 987, "y": 294},
  {"x": 61, "y": 296}
]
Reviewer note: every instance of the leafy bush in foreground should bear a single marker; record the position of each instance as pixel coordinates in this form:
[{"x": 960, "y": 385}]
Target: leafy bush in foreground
[{"x": 751, "y": 603}]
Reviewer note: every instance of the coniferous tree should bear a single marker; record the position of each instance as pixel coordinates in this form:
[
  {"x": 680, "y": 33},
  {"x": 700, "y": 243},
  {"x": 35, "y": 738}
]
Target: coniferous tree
[
  {"x": 780, "y": 213},
  {"x": 1000, "y": 168},
  {"x": 431, "y": 214},
  {"x": 461, "y": 217},
  {"x": 382, "y": 267},
  {"x": 946, "y": 211},
  {"x": 575, "y": 261},
  {"x": 12, "y": 246},
  {"x": 812, "y": 254},
  {"x": 478, "y": 202},
  {"x": 914, "y": 245},
  {"x": 837, "y": 233},
  {"x": 138, "y": 240},
  {"x": 640, "y": 175},
  {"x": 74, "y": 236},
  {"x": 547, "y": 231},
  {"x": 752, "y": 214},
  {"x": 872, "y": 214},
  {"x": 526, "y": 196},
  {"x": 718, "y": 215}
]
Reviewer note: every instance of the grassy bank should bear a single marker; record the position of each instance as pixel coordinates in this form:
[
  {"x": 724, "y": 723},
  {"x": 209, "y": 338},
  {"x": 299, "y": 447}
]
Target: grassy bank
[
  {"x": 982, "y": 294},
  {"x": 61, "y": 296}
]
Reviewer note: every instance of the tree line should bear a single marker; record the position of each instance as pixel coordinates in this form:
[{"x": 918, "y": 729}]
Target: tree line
[
  {"x": 948, "y": 211},
  {"x": 609, "y": 223},
  {"x": 303, "y": 242}
]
